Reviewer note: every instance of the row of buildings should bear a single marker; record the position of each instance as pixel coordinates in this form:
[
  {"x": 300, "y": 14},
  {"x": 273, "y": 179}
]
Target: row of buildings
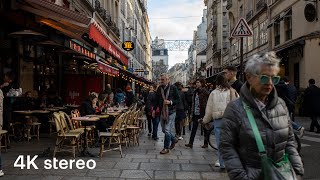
[
  {"x": 288, "y": 27},
  {"x": 75, "y": 47}
]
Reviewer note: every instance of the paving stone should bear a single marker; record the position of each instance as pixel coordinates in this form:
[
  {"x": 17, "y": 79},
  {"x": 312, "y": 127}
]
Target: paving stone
[
  {"x": 167, "y": 156},
  {"x": 111, "y": 179},
  {"x": 190, "y": 157},
  {"x": 164, "y": 175},
  {"x": 198, "y": 161},
  {"x": 188, "y": 175},
  {"x": 196, "y": 167},
  {"x": 160, "y": 160},
  {"x": 181, "y": 161},
  {"x": 140, "y": 160},
  {"x": 110, "y": 173},
  {"x": 141, "y": 156},
  {"x": 139, "y": 174},
  {"x": 160, "y": 166},
  {"x": 126, "y": 165},
  {"x": 214, "y": 175},
  {"x": 105, "y": 165}
]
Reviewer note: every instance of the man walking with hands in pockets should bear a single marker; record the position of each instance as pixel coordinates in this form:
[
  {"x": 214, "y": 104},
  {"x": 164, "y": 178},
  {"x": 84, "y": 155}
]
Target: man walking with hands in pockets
[{"x": 167, "y": 96}]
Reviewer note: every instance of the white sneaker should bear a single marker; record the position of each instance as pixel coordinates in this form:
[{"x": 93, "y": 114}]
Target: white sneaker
[
  {"x": 217, "y": 164},
  {"x": 180, "y": 138},
  {"x": 301, "y": 132},
  {"x": 1, "y": 173}
]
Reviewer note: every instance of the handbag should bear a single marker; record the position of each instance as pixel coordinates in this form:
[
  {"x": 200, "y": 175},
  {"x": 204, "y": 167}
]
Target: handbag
[{"x": 271, "y": 170}]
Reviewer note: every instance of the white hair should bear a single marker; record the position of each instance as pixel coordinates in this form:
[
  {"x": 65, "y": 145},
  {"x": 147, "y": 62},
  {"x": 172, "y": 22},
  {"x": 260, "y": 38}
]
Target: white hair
[{"x": 254, "y": 64}]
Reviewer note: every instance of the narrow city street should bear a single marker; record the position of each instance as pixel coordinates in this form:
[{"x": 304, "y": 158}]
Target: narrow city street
[
  {"x": 144, "y": 161},
  {"x": 138, "y": 162}
]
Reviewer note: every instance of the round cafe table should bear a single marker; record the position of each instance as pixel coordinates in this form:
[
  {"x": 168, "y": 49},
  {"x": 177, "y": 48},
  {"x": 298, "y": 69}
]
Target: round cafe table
[{"x": 85, "y": 151}]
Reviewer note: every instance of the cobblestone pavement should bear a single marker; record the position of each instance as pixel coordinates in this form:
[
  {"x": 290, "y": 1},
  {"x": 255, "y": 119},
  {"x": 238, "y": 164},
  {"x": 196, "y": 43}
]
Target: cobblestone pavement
[
  {"x": 138, "y": 162},
  {"x": 310, "y": 152}
]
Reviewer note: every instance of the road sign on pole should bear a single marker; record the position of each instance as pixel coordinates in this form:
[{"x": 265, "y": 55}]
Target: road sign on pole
[{"x": 241, "y": 30}]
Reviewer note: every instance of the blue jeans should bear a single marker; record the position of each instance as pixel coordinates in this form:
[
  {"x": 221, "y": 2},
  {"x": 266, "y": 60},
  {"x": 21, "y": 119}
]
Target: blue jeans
[
  {"x": 155, "y": 124},
  {"x": 295, "y": 126},
  {"x": 217, "y": 125},
  {"x": 168, "y": 130}
]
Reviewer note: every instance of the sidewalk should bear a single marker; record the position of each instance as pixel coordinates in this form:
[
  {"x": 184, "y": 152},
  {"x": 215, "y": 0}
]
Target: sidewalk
[{"x": 138, "y": 162}]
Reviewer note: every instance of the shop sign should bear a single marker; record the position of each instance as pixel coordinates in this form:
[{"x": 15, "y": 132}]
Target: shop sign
[
  {"x": 128, "y": 45},
  {"x": 138, "y": 70},
  {"x": 108, "y": 69},
  {"x": 80, "y": 49}
]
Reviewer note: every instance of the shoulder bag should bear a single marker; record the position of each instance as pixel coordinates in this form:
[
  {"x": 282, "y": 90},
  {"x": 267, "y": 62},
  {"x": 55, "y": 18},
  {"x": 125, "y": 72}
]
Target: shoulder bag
[{"x": 271, "y": 170}]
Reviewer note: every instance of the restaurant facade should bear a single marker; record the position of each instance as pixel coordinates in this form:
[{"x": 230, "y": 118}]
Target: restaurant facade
[{"x": 52, "y": 46}]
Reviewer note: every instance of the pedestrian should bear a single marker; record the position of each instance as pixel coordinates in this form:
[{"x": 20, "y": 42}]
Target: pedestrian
[
  {"x": 288, "y": 92},
  {"x": 149, "y": 107},
  {"x": 181, "y": 111},
  {"x": 129, "y": 96},
  {"x": 312, "y": 105},
  {"x": 257, "y": 130},
  {"x": 230, "y": 73},
  {"x": 188, "y": 95},
  {"x": 1, "y": 126},
  {"x": 167, "y": 97},
  {"x": 217, "y": 103},
  {"x": 119, "y": 98},
  {"x": 199, "y": 102},
  {"x": 5, "y": 86}
]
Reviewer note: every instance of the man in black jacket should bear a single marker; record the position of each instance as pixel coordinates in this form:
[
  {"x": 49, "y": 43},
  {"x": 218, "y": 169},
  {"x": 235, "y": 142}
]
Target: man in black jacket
[
  {"x": 167, "y": 97},
  {"x": 230, "y": 72},
  {"x": 311, "y": 104}
]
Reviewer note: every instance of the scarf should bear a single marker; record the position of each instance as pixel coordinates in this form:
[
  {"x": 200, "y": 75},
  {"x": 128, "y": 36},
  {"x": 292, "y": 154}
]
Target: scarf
[{"x": 165, "y": 109}]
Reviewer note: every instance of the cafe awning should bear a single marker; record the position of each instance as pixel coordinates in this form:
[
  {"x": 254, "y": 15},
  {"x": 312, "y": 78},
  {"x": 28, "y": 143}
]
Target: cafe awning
[
  {"x": 70, "y": 23},
  {"x": 105, "y": 68},
  {"x": 97, "y": 34}
]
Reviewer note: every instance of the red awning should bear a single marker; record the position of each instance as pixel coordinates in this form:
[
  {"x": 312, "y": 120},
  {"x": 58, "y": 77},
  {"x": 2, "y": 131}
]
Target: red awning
[
  {"x": 105, "y": 68},
  {"x": 97, "y": 34}
]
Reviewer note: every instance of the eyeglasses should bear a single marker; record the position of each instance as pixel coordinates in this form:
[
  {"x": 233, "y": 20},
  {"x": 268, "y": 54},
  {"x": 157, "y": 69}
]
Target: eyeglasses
[{"x": 264, "y": 79}]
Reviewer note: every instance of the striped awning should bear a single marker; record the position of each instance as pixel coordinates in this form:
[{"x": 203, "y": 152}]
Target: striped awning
[{"x": 59, "y": 11}]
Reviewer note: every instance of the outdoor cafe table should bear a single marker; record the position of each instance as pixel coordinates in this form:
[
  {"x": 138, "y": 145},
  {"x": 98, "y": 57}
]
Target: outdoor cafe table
[
  {"x": 85, "y": 151},
  {"x": 31, "y": 113}
]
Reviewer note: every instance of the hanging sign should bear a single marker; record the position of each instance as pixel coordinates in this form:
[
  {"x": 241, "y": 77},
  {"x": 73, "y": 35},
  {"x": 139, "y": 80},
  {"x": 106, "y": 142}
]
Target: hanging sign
[{"x": 128, "y": 45}]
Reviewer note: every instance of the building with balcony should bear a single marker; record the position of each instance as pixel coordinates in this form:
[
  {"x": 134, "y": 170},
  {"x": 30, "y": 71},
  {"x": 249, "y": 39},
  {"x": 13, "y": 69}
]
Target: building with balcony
[
  {"x": 217, "y": 35},
  {"x": 285, "y": 27},
  {"x": 160, "y": 58},
  {"x": 134, "y": 26}
]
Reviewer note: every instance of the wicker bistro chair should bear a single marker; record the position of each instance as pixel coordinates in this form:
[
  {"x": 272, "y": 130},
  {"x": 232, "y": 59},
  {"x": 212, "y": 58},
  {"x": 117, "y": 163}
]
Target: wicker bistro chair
[
  {"x": 77, "y": 125},
  {"x": 133, "y": 128},
  {"x": 113, "y": 137},
  {"x": 65, "y": 135}
]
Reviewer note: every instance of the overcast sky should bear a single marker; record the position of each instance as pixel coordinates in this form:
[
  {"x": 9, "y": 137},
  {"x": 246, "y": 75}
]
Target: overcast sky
[{"x": 165, "y": 26}]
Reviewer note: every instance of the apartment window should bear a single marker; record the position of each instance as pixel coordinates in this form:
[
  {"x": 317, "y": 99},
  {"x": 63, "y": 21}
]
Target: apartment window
[
  {"x": 288, "y": 25},
  {"x": 263, "y": 32},
  {"x": 255, "y": 37},
  {"x": 161, "y": 52},
  {"x": 276, "y": 32}
]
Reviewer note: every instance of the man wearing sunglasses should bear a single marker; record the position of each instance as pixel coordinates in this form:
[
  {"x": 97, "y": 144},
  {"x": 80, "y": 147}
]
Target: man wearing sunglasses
[
  {"x": 230, "y": 72},
  {"x": 238, "y": 146}
]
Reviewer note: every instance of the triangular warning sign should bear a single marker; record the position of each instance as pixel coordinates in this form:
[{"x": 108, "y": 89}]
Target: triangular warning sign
[{"x": 242, "y": 29}]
